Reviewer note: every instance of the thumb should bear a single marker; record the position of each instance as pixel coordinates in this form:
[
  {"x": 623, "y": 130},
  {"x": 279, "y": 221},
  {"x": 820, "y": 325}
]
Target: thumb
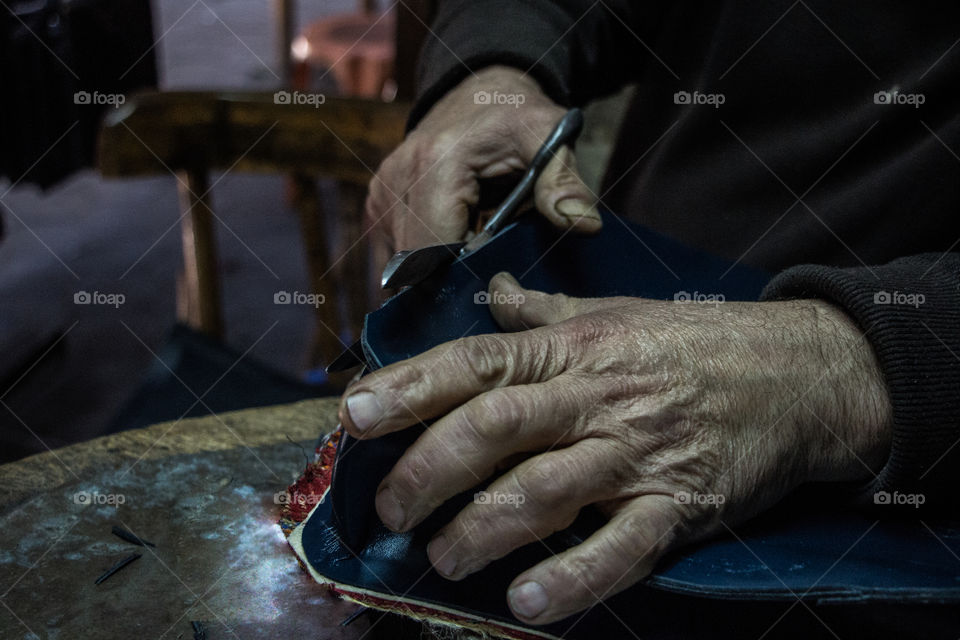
[
  {"x": 561, "y": 196},
  {"x": 515, "y": 308}
]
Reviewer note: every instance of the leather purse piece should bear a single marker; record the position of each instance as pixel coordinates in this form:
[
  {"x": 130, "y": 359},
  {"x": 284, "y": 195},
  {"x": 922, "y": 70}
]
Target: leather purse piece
[{"x": 805, "y": 568}]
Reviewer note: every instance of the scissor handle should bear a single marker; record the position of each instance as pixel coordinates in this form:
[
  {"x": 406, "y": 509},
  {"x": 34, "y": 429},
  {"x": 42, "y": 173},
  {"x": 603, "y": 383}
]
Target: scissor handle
[{"x": 565, "y": 132}]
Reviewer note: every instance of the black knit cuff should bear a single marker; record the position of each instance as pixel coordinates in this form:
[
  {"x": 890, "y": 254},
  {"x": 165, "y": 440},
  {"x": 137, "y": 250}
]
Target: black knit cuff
[
  {"x": 528, "y": 38},
  {"x": 910, "y": 313}
]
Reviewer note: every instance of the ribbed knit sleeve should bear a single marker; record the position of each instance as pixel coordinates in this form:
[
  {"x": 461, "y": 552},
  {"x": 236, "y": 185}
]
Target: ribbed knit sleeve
[
  {"x": 909, "y": 310},
  {"x": 575, "y": 49}
]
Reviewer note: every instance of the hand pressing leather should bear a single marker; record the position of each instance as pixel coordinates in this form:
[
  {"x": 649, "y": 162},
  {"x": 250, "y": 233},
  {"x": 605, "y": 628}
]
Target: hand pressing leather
[{"x": 674, "y": 418}]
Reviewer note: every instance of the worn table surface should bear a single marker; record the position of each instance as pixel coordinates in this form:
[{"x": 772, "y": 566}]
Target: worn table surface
[{"x": 203, "y": 491}]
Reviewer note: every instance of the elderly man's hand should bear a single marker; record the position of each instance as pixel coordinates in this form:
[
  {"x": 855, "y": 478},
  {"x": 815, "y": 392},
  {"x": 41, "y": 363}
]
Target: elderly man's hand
[
  {"x": 488, "y": 126},
  {"x": 673, "y": 417}
]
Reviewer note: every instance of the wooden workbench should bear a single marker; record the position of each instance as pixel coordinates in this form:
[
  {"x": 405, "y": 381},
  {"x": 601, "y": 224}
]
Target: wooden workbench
[{"x": 203, "y": 491}]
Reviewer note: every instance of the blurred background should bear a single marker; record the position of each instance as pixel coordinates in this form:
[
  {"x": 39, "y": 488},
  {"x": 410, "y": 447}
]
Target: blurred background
[
  {"x": 148, "y": 235},
  {"x": 181, "y": 194}
]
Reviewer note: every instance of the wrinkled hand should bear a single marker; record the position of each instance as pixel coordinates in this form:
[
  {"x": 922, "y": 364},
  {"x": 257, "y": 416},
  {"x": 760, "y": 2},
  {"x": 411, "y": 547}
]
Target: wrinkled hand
[
  {"x": 674, "y": 418},
  {"x": 423, "y": 192}
]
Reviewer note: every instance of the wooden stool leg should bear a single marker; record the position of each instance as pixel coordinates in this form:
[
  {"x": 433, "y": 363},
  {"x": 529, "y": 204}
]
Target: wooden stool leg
[
  {"x": 326, "y": 336},
  {"x": 352, "y": 268},
  {"x": 198, "y": 295},
  {"x": 283, "y": 19}
]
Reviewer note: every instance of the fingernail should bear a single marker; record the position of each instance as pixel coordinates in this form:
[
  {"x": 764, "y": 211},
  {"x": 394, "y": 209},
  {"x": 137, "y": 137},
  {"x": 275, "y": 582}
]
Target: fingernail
[
  {"x": 364, "y": 409},
  {"x": 529, "y": 599},
  {"x": 574, "y": 208},
  {"x": 390, "y": 510},
  {"x": 441, "y": 556}
]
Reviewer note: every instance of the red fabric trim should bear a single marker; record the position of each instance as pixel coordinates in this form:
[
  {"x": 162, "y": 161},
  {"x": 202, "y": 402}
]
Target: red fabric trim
[
  {"x": 405, "y": 608},
  {"x": 307, "y": 491}
]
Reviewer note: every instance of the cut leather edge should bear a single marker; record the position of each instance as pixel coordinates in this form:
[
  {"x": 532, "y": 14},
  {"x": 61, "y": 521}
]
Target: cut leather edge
[{"x": 406, "y": 606}]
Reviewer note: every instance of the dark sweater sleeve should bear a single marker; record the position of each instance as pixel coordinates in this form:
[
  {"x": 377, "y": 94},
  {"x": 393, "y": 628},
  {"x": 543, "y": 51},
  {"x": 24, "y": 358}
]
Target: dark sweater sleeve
[
  {"x": 909, "y": 310},
  {"x": 575, "y": 49}
]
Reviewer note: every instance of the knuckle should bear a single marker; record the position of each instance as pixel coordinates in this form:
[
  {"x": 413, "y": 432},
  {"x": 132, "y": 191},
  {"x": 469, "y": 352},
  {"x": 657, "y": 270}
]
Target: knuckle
[
  {"x": 469, "y": 532},
  {"x": 566, "y": 176},
  {"x": 483, "y": 423},
  {"x": 568, "y": 179},
  {"x": 444, "y": 142},
  {"x": 423, "y": 156},
  {"x": 539, "y": 483},
  {"x": 397, "y": 382},
  {"x": 582, "y": 571},
  {"x": 630, "y": 538},
  {"x": 642, "y": 536},
  {"x": 428, "y": 152},
  {"x": 411, "y": 474},
  {"x": 502, "y": 414},
  {"x": 469, "y": 423},
  {"x": 588, "y": 329},
  {"x": 483, "y": 357}
]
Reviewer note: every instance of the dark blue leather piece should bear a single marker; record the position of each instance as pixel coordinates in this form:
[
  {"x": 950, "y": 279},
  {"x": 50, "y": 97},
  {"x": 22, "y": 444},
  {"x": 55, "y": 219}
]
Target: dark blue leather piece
[
  {"x": 622, "y": 260},
  {"x": 792, "y": 551},
  {"x": 824, "y": 553}
]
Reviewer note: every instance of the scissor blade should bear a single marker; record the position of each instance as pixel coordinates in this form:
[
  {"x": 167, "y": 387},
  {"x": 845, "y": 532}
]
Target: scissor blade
[
  {"x": 352, "y": 357},
  {"x": 407, "y": 268}
]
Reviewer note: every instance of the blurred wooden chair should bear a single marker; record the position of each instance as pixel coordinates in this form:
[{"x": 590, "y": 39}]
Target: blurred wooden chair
[
  {"x": 192, "y": 133},
  {"x": 371, "y": 53},
  {"x": 358, "y": 49}
]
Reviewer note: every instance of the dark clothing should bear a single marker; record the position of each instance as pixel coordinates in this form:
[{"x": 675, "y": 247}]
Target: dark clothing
[
  {"x": 52, "y": 53},
  {"x": 757, "y": 132}
]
